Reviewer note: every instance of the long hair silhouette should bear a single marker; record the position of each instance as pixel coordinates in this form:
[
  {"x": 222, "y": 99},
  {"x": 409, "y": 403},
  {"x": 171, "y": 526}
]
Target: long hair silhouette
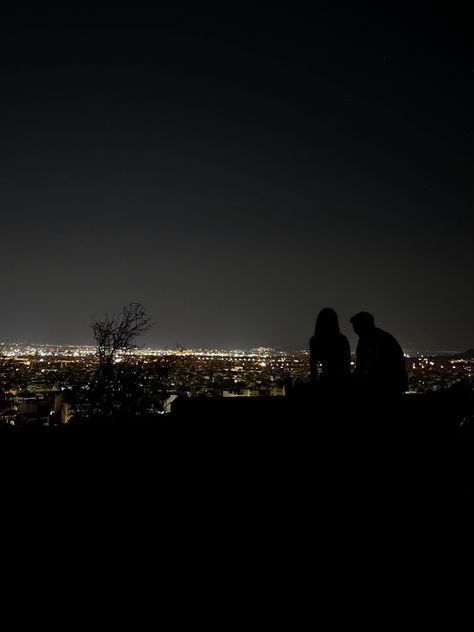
[{"x": 327, "y": 323}]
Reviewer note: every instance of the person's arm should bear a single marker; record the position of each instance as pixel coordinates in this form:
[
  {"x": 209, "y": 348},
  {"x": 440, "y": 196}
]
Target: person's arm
[
  {"x": 346, "y": 354},
  {"x": 357, "y": 372},
  {"x": 313, "y": 362}
]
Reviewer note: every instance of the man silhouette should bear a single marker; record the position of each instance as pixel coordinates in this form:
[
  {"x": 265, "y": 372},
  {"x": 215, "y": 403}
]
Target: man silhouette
[{"x": 380, "y": 363}]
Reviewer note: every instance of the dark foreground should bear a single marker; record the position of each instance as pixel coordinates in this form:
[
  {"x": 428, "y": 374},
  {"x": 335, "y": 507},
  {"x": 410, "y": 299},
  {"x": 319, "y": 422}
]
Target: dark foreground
[
  {"x": 290, "y": 451},
  {"x": 243, "y": 511},
  {"x": 231, "y": 504}
]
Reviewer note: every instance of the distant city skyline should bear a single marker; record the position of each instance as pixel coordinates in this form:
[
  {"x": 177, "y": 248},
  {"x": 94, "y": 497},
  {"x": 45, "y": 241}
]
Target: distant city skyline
[
  {"x": 144, "y": 349},
  {"x": 237, "y": 170}
]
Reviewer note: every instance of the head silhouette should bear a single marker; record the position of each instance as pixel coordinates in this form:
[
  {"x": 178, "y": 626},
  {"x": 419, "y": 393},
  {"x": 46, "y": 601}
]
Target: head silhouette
[
  {"x": 327, "y": 323},
  {"x": 363, "y": 324}
]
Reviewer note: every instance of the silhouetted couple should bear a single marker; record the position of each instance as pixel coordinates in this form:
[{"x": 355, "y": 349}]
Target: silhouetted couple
[{"x": 380, "y": 369}]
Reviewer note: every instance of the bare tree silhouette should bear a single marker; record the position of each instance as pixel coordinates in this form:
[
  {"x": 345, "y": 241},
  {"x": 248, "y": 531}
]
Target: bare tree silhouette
[
  {"x": 116, "y": 388},
  {"x": 117, "y": 333}
]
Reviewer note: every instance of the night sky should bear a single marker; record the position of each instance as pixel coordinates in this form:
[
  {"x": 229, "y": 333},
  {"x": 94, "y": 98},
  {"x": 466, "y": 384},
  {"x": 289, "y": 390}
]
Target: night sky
[{"x": 237, "y": 171}]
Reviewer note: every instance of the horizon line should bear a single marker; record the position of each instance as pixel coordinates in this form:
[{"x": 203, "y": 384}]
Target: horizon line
[{"x": 214, "y": 348}]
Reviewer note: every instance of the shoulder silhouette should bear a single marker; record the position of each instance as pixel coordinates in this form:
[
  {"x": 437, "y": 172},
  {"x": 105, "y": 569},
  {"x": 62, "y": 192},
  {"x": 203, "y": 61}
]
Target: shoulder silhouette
[{"x": 380, "y": 363}]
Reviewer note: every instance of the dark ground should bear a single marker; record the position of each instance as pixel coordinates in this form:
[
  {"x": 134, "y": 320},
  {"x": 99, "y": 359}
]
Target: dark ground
[
  {"x": 290, "y": 449},
  {"x": 231, "y": 505}
]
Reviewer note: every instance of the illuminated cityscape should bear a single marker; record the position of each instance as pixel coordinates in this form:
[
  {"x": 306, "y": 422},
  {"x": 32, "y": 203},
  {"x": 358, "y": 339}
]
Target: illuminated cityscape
[{"x": 49, "y": 384}]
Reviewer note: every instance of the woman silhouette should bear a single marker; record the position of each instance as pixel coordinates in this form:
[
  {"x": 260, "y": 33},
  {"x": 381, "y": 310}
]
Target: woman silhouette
[{"x": 329, "y": 353}]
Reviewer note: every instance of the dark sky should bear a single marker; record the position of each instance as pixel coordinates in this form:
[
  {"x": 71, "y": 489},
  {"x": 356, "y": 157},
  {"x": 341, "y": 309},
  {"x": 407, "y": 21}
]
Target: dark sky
[{"x": 236, "y": 171}]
